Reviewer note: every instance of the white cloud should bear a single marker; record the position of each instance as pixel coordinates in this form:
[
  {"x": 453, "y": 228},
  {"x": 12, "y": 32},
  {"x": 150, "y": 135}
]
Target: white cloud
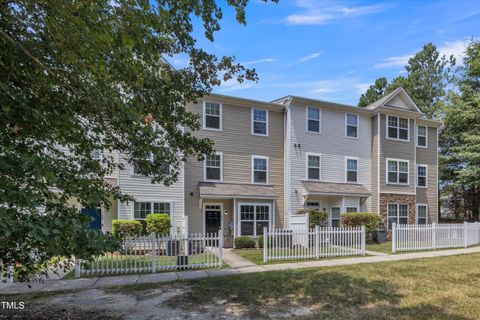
[
  {"x": 321, "y": 12},
  {"x": 309, "y": 57},
  {"x": 234, "y": 85},
  {"x": 249, "y": 63},
  {"x": 399, "y": 61}
]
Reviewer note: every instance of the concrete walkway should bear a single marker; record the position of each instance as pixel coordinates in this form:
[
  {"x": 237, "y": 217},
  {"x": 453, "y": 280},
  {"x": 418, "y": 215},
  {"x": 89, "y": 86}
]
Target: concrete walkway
[{"x": 239, "y": 266}]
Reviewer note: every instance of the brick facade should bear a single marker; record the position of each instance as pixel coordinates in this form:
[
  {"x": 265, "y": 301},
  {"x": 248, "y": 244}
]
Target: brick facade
[{"x": 410, "y": 200}]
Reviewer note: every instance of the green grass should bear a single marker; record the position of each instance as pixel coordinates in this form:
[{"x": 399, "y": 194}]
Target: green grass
[
  {"x": 385, "y": 247},
  {"x": 256, "y": 256},
  {"x": 435, "y": 288}
]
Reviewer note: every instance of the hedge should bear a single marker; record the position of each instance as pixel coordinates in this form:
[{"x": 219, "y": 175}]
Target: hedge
[
  {"x": 244, "y": 243},
  {"x": 126, "y": 228},
  {"x": 370, "y": 220},
  {"x": 159, "y": 223},
  {"x": 315, "y": 217}
]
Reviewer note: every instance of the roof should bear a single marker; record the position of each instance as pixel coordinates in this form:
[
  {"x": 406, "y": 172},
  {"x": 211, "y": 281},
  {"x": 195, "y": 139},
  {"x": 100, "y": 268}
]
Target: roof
[
  {"x": 288, "y": 100},
  {"x": 333, "y": 188},
  {"x": 245, "y": 101},
  {"x": 230, "y": 190},
  {"x": 384, "y": 100}
]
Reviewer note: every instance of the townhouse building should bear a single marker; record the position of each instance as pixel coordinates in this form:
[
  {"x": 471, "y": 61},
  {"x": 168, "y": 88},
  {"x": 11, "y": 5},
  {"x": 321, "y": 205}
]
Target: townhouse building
[{"x": 273, "y": 159}]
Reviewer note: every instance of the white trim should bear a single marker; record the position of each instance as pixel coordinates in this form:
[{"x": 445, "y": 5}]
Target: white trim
[
  {"x": 426, "y": 212},
  {"x": 426, "y": 176},
  {"x": 319, "y": 120},
  {"x": 221, "y": 168},
  {"x": 346, "y": 125},
  {"x": 398, "y": 212},
  {"x": 417, "y": 136},
  {"x": 152, "y": 201},
  {"x": 398, "y": 128},
  {"x": 254, "y": 204},
  {"x": 330, "y": 216},
  {"x": 398, "y": 171},
  {"x": 346, "y": 168},
  {"x": 203, "y": 213},
  {"x": 204, "y": 127},
  {"x": 252, "y": 123},
  {"x": 319, "y": 155},
  {"x": 252, "y": 171}
]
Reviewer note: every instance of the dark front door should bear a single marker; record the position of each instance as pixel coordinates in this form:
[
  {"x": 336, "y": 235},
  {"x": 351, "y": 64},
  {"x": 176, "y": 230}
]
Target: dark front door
[
  {"x": 213, "y": 219},
  {"x": 96, "y": 215}
]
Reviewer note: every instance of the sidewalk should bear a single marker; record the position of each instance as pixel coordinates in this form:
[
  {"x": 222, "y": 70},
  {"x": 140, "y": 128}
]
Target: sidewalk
[{"x": 238, "y": 265}]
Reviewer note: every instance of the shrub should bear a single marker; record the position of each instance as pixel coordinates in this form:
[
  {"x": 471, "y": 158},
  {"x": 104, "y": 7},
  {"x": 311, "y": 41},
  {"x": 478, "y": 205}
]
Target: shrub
[
  {"x": 244, "y": 242},
  {"x": 370, "y": 220},
  {"x": 126, "y": 228},
  {"x": 315, "y": 217},
  {"x": 158, "y": 223}
]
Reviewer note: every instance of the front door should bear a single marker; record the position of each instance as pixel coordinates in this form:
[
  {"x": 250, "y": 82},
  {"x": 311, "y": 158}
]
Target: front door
[
  {"x": 96, "y": 215},
  {"x": 213, "y": 218}
]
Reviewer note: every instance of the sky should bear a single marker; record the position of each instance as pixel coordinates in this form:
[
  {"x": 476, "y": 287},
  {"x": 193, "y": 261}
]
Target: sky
[{"x": 333, "y": 50}]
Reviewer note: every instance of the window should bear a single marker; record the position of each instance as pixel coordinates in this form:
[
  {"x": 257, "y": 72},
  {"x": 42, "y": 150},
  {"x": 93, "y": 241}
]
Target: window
[
  {"x": 313, "y": 167},
  {"x": 422, "y": 213},
  {"x": 97, "y": 154},
  {"x": 351, "y": 209},
  {"x": 335, "y": 217},
  {"x": 260, "y": 169},
  {"x": 212, "y": 116},
  {"x": 164, "y": 167},
  {"x": 422, "y": 175},
  {"x": 214, "y": 167},
  {"x": 142, "y": 209},
  {"x": 422, "y": 136},
  {"x": 397, "y": 213},
  {"x": 313, "y": 119},
  {"x": 253, "y": 218},
  {"x": 312, "y": 205},
  {"x": 260, "y": 122},
  {"x": 397, "y": 171},
  {"x": 352, "y": 169},
  {"x": 352, "y": 125},
  {"x": 397, "y": 128}
]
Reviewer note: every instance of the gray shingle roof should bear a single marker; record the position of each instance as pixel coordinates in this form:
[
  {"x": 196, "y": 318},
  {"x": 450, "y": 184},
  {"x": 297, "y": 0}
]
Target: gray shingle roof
[
  {"x": 332, "y": 188},
  {"x": 218, "y": 189}
]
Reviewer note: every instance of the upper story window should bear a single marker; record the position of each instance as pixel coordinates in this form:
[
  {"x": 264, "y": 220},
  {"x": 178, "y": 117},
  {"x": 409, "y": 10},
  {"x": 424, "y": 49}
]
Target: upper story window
[
  {"x": 212, "y": 116},
  {"x": 164, "y": 167},
  {"x": 214, "y": 167},
  {"x": 260, "y": 122},
  {"x": 351, "y": 125},
  {"x": 397, "y": 128},
  {"x": 313, "y": 167},
  {"x": 397, "y": 171},
  {"x": 422, "y": 136},
  {"x": 421, "y": 175},
  {"x": 313, "y": 119},
  {"x": 422, "y": 210},
  {"x": 260, "y": 169},
  {"x": 352, "y": 169},
  {"x": 397, "y": 213},
  {"x": 142, "y": 209}
]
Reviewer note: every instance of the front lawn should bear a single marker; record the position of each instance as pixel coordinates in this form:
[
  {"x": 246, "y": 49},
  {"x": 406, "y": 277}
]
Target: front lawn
[{"x": 385, "y": 247}]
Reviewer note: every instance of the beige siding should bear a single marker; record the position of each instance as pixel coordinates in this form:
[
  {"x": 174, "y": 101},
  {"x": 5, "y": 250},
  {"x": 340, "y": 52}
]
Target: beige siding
[
  {"x": 428, "y": 156},
  {"x": 238, "y": 145},
  {"x": 401, "y": 150}
]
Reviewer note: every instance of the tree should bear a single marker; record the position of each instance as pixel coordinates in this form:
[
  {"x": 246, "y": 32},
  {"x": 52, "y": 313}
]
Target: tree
[
  {"x": 460, "y": 140},
  {"x": 82, "y": 76},
  {"x": 428, "y": 75}
]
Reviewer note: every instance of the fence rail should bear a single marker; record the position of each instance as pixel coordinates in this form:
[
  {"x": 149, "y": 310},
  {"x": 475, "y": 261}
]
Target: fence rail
[
  {"x": 413, "y": 237},
  {"x": 292, "y": 244},
  {"x": 156, "y": 253}
]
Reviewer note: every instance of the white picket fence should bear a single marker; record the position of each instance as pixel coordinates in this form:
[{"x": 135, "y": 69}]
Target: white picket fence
[
  {"x": 156, "y": 253},
  {"x": 292, "y": 244},
  {"x": 413, "y": 237}
]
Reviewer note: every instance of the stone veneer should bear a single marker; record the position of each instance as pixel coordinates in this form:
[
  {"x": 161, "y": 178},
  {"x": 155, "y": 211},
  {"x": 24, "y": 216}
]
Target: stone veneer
[{"x": 386, "y": 198}]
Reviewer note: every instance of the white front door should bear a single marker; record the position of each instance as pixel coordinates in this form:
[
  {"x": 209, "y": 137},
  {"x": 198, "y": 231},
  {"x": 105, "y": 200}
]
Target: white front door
[{"x": 253, "y": 217}]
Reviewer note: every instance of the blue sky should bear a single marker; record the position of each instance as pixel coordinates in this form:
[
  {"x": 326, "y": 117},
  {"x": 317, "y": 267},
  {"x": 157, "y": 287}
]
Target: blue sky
[{"x": 333, "y": 50}]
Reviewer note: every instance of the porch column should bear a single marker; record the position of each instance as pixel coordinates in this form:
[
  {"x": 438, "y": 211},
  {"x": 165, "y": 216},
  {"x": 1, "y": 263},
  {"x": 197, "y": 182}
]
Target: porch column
[{"x": 234, "y": 219}]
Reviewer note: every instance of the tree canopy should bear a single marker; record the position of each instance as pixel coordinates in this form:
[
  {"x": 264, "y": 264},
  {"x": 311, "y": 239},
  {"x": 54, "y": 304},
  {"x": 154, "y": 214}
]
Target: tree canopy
[{"x": 78, "y": 77}]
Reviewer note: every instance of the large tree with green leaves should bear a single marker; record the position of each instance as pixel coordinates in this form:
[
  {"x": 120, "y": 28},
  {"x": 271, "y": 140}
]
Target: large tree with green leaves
[
  {"x": 80, "y": 76},
  {"x": 428, "y": 75},
  {"x": 460, "y": 140}
]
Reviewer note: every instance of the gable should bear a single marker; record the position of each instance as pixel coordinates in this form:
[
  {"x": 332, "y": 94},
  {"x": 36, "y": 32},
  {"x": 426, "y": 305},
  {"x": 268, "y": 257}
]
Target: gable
[
  {"x": 398, "y": 102},
  {"x": 398, "y": 99}
]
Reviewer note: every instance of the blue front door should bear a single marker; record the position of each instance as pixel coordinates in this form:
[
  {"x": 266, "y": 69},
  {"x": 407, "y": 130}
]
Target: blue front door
[{"x": 96, "y": 215}]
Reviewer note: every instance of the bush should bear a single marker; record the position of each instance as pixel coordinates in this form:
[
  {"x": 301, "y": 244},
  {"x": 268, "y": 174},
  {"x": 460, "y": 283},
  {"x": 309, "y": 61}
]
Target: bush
[
  {"x": 315, "y": 217},
  {"x": 244, "y": 243},
  {"x": 370, "y": 220},
  {"x": 126, "y": 228},
  {"x": 158, "y": 223},
  {"x": 260, "y": 241}
]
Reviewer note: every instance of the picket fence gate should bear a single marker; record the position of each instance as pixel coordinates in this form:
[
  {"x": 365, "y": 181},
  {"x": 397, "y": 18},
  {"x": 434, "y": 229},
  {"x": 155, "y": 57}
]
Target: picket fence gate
[
  {"x": 157, "y": 253},
  {"x": 292, "y": 244},
  {"x": 413, "y": 237}
]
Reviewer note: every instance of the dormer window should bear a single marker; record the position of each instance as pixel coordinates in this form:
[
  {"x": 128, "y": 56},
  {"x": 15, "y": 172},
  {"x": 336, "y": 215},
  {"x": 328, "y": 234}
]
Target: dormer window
[{"x": 397, "y": 128}]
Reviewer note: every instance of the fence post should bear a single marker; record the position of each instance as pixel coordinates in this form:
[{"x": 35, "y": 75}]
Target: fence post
[
  {"x": 265, "y": 244},
  {"x": 317, "y": 241},
  {"x": 465, "y": 236},
  {"x": 220, "y": 245},
  {"x": 154, "y": 251},
  {"x": 434, "y": 235},
  {"x": 363, "y": 240},
  {"x": 10, "y": 273},
  {"x": 394, "y": 237},
  {"x": 77, "y": 268}
]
